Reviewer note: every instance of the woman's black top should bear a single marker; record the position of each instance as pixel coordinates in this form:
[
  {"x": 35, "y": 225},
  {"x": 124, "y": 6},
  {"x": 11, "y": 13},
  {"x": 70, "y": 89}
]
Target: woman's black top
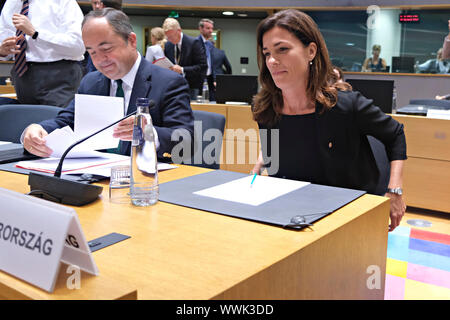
[
  {"x": 299, "y": 149},
  {"x": 331, "y": 147}
]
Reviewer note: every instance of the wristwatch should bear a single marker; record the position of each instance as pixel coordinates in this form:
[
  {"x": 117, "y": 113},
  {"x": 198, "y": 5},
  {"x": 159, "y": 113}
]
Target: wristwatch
[
  {"x": 35, "y": 35},
  {"x": 398, "y": 191}
]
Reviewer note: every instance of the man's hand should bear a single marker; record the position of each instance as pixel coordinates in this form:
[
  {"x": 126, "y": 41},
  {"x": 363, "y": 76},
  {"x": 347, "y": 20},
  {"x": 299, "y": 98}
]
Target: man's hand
[
  {"x": 23, "y": 24},
  {"x": 177, "y": 69},
  {"x": 34, "y": 141},
  {"x": 9, "y": 46},
  {"x": 124, "y": 129}
]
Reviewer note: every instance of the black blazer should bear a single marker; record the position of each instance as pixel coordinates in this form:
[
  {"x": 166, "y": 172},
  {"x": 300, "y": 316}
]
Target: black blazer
[
  {"x": 219, "y": 60},
  {"x": 192, "y": 59},
  {"x": 344, "y": 150},
  {"x": 166, "y": 88}
]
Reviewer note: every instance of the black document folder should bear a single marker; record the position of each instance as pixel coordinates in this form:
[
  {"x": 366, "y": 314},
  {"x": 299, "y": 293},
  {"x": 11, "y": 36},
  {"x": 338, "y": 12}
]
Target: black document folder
[{"x": 296, "y": 209}]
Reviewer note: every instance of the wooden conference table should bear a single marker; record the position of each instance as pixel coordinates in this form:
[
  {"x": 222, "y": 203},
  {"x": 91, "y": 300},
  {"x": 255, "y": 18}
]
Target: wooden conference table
[{"x": 180, "y": 253}]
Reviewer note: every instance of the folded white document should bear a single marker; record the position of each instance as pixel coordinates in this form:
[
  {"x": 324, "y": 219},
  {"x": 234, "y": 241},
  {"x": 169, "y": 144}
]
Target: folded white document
[
  {"x": 99, "y": 166},
  {"x": 92, "y": 113},
  {"x": 163, "y": 62},
  {"x": 438, "y": 114}
]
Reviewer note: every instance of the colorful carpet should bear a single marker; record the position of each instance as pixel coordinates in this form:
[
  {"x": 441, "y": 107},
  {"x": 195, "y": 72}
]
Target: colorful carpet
[{"x": 418, "y": 265}]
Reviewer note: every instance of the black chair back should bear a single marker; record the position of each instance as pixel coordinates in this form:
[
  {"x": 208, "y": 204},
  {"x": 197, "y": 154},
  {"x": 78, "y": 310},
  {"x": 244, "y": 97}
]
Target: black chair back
[
  {"x": 211, "y": 141},
  {"x": 14, "y": 118}
]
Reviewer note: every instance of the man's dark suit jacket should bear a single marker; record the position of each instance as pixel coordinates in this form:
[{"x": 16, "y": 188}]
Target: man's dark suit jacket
[
  {"x": 167, "y": 89},
  {"x": 219, "y": 59},
  {"x": 207, "y": 45},
  {"x": 192, "y": 59}
]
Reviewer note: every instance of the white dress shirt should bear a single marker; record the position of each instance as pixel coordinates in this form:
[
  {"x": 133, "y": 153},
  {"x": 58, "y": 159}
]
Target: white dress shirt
[
  {"x": 208, "y": 61},
  {"x": 58, "y": 23}
]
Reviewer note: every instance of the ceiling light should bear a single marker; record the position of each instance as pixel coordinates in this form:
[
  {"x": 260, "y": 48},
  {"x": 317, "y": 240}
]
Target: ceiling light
[
  {"x": 228, "y": 13},
  {"x": 242, "y": 15}
]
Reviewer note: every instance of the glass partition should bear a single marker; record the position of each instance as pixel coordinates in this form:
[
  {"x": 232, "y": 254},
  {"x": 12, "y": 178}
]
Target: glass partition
[{"x": 375, "y": 40}]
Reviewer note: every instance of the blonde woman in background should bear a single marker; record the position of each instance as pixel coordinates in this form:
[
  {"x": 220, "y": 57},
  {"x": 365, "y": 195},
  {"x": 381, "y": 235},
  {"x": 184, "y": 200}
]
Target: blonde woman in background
[{"x": 156, "y": 50}]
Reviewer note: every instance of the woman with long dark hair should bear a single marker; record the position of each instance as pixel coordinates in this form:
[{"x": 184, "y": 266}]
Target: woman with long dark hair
[{"x": 322, "y": 126}]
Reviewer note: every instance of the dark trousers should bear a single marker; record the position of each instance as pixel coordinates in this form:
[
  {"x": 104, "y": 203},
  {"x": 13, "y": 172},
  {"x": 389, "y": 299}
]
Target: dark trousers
[
  {"x": 48, "y": 83},
  {"x": 211, "y": 88}
]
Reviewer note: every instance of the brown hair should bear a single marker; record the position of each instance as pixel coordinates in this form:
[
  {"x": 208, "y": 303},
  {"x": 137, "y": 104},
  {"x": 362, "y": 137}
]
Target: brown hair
[{"x": 267, "y": 104}]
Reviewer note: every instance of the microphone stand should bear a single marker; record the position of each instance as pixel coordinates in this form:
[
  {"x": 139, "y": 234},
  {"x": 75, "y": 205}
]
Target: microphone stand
[{"x": 60, "y": 164}]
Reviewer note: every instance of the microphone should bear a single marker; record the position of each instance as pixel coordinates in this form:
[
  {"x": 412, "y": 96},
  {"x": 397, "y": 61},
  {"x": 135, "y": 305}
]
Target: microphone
[{"x": 56, "y": 189}]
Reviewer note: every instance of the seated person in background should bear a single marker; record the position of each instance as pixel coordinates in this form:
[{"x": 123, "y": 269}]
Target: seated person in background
[
  {"x": 156, "y": 50},
  {"x": 374, "y": 63},
  {"x": 446, "y": 45},
  {"x": 322, "y": 129},
  {"x": 437, "y": 65},
  {"x": 446, "y": 97},
  {"x": 111, "y": 42}
]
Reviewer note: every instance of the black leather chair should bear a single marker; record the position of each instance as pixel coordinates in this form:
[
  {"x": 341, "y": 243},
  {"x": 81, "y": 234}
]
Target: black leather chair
[
  {"x": 383, "y": 164},
  {"x": 14, "y": 118},
  {"x": 208, "y": 120}
]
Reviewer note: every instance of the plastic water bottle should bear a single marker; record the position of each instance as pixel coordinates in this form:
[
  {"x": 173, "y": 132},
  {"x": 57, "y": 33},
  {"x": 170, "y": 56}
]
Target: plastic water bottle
[
  {"x": 394, "y": 100},
  {"x": 416, "y": 67},
  {"x": 205, "y": 92},
  {"x": 144, "y": 187}
]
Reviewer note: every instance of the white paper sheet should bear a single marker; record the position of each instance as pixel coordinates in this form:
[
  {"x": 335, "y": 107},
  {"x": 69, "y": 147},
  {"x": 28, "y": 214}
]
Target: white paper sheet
[
  {"x": 438, "y": 114},
  {"x": 100, "y": 166},
  {"x": 262, "y": 190},
  {"x": 82, "y": 165},
  {"x": 4, "y": 142},
  {"x": 60, "y": 139},
  {"x": 93, "y": 113},
  {"x": 163, "y": 62}
]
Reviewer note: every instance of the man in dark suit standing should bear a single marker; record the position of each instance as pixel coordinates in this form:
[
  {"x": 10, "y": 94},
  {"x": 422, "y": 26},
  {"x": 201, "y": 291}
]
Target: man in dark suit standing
[
  {"x": 187, "y": 54},
  {"x": 110, "y": 40},
  {"x": 206, "y": 28},
  {"x": 220, "y": 61}
]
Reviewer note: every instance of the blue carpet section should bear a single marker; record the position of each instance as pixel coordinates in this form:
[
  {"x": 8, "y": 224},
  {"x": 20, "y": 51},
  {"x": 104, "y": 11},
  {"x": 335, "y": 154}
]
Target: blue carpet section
[
  {"x": 398, "y": 247},
  {"x": 430, "y": 247},
  {"x": 429, "y": 260}
]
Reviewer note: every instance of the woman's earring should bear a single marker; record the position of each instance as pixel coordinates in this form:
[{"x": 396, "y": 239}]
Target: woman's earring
[{"x": 310, "y": 63}]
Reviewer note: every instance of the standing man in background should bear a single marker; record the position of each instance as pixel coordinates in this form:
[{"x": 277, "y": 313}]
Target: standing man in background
[
  {"x": 45, "y": 38},
  {"x": 100, "y": 4},
  {"x": 219, "y": 61},
  {"x": 206, "y": 28},
  {"x": 187, "y": 54}
]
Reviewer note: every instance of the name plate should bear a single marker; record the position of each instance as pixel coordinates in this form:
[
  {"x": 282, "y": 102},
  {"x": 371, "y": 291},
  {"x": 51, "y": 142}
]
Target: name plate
[{"x": 36, "y": 235}]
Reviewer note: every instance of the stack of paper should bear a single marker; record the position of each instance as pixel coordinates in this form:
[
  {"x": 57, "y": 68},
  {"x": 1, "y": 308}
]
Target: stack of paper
[{"x": 92, "y": 113}]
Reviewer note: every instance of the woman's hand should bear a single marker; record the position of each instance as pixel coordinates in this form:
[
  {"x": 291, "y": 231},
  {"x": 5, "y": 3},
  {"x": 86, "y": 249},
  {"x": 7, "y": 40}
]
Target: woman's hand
[
  {"x": 397, "y": 210},
  {"x": 259, "y": 166}
]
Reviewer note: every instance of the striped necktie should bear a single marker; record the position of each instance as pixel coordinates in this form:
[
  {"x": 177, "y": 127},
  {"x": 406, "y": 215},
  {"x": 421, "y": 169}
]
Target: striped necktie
[
  {"x": 20, "y": 65},
  {"x": 177, "y": 54}
]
